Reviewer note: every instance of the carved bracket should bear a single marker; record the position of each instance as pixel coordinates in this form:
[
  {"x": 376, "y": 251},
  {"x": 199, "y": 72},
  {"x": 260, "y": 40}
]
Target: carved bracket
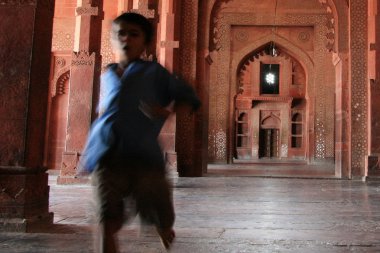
[
  {"x": 59, "y": 81},
  {"x": 82, "y": 58}
]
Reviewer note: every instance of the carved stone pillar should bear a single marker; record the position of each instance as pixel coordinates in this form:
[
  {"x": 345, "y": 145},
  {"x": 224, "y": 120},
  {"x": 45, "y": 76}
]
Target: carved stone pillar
[
  {"x": 359, "y": 86},
  {"x": 166, "y": 45},
  {"x": 166, "y": 40},
  {"x": 84, "y": 73},
  {"x": 189, "y": 128},
  {"x": 342, "y": 117},
  {"x": 25, "y": 63}
]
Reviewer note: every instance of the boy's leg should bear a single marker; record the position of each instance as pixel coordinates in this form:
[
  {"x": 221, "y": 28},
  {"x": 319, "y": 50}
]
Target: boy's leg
[
  {"x": 155, "y": 204},
  {"x": 107, "y": 243},
  {"x": 110, "y": 209}
]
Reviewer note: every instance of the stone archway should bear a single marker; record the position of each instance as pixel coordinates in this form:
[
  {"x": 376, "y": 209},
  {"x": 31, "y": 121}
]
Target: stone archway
[
  {"x": 322, "y": 132},
  {"x": 216, "y": 28},
  {"x": 288, "y": 51}
]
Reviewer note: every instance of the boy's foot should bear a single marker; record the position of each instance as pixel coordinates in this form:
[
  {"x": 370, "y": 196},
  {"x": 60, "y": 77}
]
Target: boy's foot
[{"x": 167, "y": 236}]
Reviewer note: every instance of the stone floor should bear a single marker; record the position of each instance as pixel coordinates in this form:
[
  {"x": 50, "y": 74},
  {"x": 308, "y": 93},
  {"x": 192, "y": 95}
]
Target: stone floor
[{"x": 239, "y": 212}]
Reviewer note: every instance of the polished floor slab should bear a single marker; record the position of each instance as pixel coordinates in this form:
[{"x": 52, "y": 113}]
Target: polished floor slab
[{"x": 227, "y": 214}]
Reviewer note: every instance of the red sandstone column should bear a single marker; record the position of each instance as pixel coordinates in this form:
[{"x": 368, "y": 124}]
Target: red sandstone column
[
  {"x": 25, "y": 42},
  {"x": 342, "y": 116},
  {"x": 189, "y": 131},
  {"x": 166, "y": 40},
  {"x": 84, "y": 75},
  {"x": 359, "y": 87},
  {"x": 166, "y": 46}
]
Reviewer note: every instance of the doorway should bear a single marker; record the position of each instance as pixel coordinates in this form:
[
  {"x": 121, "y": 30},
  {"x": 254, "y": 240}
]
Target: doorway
[{"x": 269, "y": 143}]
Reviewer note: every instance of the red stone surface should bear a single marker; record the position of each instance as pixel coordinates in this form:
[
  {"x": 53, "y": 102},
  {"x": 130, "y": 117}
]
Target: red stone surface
[
  {"x": 25, "y": 192},
  {"x": 24, "y": 75},
  {"x": 80, "y": 100},
  {"x": 39, "y": 83},
  {"x": 15, "y": 54}
]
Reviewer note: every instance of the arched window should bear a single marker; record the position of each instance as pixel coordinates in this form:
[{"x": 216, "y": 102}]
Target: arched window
[{"x": 270, "y": 79}]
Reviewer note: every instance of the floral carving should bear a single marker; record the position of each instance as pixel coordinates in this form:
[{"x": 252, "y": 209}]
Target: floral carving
[
  {"x": 60, "y": 62},
  {"x": 241, "y": 36},
  {"x": 304, "y": 36}
]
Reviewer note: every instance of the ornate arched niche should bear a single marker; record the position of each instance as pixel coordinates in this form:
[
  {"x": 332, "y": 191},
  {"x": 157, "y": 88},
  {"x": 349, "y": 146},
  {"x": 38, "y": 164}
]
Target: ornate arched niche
[{"x": 267, "y": 129}]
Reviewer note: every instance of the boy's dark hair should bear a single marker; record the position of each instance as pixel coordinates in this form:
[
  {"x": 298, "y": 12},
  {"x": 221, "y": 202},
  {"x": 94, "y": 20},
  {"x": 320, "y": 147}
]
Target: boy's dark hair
[{"x": 137, "y": 19}]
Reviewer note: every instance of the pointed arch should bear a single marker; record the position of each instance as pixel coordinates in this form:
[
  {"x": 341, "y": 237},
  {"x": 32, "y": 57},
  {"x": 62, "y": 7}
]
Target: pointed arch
[
  {"x": 304, "y": 59},
  {"x": 271, "y": 121},
  {"x": 292, "y": 50}
]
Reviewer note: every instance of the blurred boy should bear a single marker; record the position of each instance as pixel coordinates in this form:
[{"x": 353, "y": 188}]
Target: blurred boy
[{"x": 122, "y": 150}]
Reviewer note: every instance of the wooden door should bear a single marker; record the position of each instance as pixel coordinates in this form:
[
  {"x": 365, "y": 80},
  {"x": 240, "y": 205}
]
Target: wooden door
[{"x": 269, "y": 143}]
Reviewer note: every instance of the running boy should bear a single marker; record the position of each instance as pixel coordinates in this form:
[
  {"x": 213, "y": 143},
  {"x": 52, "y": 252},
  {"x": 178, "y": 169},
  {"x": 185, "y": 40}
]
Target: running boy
[{"x": 122, "y": 150}]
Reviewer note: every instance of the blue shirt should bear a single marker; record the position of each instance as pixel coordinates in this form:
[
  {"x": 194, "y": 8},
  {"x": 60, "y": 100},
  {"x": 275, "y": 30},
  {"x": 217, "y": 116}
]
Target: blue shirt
[{"x": 124, "y": 128}]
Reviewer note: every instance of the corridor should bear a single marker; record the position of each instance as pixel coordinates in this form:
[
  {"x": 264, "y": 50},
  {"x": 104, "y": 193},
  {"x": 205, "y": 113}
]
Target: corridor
[{"x": 218, "y": 214}]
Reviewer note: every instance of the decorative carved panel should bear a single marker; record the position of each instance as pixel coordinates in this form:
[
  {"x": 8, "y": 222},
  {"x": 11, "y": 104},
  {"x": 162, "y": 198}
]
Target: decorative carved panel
[
  {"x": 63, "y": 35},
  {"x": 359, "y": 82},
  {"x": 83, "y": 58},
  {"x": 106, "y": 49}
]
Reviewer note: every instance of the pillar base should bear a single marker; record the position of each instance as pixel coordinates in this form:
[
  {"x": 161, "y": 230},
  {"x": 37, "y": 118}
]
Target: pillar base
[
  {"x": 25, "y": 225},
  {"x": 373, "y": 165},
  {"x": 24, "y": 199},
  {"x": 72, "y": 180},
  {"x": 68, "y": 173}
]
